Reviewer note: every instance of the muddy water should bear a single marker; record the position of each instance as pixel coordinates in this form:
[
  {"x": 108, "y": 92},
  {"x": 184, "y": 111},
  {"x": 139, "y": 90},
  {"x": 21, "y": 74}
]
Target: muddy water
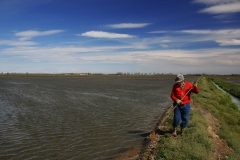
[{"x": 77, "y": 118}]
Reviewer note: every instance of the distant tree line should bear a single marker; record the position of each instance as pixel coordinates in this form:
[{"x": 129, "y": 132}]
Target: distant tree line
[{"x": 118, "y": 73}]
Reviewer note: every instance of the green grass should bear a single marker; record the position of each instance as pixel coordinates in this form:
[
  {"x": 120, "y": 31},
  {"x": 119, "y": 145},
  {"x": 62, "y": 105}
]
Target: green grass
[
  {"x": 231, "y": 88},
  {"x": 196, "y": 144}
]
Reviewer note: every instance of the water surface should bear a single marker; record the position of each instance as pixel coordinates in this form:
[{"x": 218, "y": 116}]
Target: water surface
[{"x": 77, "y": 117}]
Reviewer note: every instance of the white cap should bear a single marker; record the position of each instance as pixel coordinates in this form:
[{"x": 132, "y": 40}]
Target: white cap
[{"x": 179, "y": 78}]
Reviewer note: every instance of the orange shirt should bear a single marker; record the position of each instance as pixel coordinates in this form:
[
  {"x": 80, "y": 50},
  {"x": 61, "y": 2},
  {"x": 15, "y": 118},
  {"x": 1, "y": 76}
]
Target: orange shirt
[{"x": 178, "y": 92}]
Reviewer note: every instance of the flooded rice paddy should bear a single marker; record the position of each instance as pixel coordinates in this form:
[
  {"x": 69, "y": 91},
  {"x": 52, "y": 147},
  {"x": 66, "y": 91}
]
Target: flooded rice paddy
[{"x": 77, "y": 118}]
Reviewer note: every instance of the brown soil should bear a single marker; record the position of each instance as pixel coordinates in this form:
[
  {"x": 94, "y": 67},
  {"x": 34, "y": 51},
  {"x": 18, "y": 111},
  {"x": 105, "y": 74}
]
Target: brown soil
[{"x": 149, "y": 150}]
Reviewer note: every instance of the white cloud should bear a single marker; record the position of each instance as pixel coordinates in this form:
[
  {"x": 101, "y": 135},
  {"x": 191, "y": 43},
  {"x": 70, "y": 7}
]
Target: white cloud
[
  {"x": 112, "y": 53},
  {"x": 17, "y": 43},
  {"x": 225, "y": 37},
  {"x": 129, "y": 25},
  {"x": 227, "y": 18},
  {"x": 26, "y": 35},
  {"x": 165, "y": 41},
  {"x": 164, "y": 45},
  {"x": 222, "y": 8},
  {"x": 101, "y": 34},
  {"x": 158, "y": 32},
  {"x": 226, "y": 32},
  {"x": 215, "y": 2},
  {"x": 203, "y": 60},
  {"x": 228, "y": 42}
]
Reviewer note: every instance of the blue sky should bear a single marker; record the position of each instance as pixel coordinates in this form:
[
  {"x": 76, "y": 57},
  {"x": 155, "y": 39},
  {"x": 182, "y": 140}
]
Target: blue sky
[{"x": 110, "y": 36}]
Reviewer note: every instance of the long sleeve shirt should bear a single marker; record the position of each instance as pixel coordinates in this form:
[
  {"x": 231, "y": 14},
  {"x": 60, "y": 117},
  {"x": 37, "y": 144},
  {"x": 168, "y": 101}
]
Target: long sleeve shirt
[{"x": 178, "y": 92}]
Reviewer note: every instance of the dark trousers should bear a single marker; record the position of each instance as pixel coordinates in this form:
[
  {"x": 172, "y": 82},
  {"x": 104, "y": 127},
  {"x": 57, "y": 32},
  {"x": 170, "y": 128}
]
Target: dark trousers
[{"x": 181, "y": 112}]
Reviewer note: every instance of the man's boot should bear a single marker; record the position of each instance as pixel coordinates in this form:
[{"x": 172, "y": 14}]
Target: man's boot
[
  {"x": 174, "y": 133},
  {"x": 182, "y": 131}
]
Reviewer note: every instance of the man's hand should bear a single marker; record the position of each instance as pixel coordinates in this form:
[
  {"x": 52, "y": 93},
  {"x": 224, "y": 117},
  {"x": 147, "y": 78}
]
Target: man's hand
[
  {"x": 195, "y": 84},
  {"x": 178, "y": 101}
]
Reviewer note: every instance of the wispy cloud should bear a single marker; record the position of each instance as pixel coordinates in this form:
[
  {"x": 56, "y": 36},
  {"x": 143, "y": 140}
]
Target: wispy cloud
[
  {"x": 215, "y": 2},
  {"x": 17, "y": 43},
  {"x": 228, "y": 42},
  {"x": 101, "y": 34},
  {"x": 129, "y": 25},
  {"x": 164, "y": 45},
  {"x": 26, "y": 35},
  {"x": 226, "y": 32},
  {"x": 153, "y": 32},
  {"x": 225, "y": 37},
  {"x": 221, "y": 9},
  {"x": 206, "y": 58}
]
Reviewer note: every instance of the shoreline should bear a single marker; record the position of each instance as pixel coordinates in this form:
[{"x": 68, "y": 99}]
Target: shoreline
[{"x": 150, "y": 144}]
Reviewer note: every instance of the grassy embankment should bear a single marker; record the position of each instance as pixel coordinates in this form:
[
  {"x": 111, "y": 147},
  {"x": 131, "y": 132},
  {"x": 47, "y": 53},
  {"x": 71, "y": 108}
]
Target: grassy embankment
[
  {"x": 197, "y": 142},
  {"x": 231, "y": 88}
]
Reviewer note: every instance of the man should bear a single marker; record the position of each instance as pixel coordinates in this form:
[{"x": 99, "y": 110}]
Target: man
[{"x": 180, "y": 94}]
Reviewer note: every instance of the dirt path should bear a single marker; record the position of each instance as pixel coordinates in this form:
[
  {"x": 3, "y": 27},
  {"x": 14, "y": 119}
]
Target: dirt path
[{"x": 149, "y": 150}]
